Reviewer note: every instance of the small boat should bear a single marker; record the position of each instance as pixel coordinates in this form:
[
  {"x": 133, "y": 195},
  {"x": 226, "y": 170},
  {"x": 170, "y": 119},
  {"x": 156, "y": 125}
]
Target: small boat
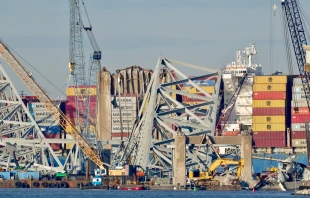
[{"x": 131, "y": 187}]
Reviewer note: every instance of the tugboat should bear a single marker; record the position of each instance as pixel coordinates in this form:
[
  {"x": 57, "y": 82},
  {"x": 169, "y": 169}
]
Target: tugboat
[{"x": 98, "y": 182}]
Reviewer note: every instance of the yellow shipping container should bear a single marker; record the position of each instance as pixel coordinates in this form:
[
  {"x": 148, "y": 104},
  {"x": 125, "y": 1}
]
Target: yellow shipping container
[
  {"x": 193, "y": 90},
  {"x": 268, "y": 103},
  {"x": 174, "y": 96},
  {"x": 268, "y": 119},
  {"x": 83, "y": 91},
  {"x": 270, "y": 79},
  {"x": 268, "y": 127},
  {"x": 269, "y": 87}
]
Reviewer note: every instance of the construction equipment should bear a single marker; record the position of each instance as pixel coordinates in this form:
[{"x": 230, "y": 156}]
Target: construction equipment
[
  {"x": 223, "y": 162},
  {"x": 39, "y": 92},
  {"x": 77, "y": 66},
  {"x": 298, "y": 38}
]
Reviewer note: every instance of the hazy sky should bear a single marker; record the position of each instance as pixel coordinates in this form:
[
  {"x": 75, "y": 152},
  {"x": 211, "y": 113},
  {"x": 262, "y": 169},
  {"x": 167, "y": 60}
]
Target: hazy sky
[{"x": 136, "y": 32}]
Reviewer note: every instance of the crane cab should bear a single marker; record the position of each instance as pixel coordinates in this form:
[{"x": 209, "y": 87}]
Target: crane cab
[{"x": 100, "y": 172}]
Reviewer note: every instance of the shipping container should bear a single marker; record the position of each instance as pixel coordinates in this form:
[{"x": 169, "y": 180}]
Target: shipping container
[
  {"x": 124, "y": 99},
  {"x": 300, "y": 111},
  {"x": 299, "y": 127},
  {"x": 72, "y": 114},
  {"x": 230, "y": 133},
  {"x": 246, "y": 90},
  {"x": 276, "y": 95},
  {"x": 266, "y": 135},
  {"x": 81, "y": 91},
  {"x": 193, "y": 99},
  {"x": 268, "y": 127},
  {"x": 244, "y": 100},
  {"x": 125, "y": 114},
  {"x": 299, "y": 143},
  {"x": 298, "y": 89},
  {"x": 51, "y": 129},
  {"x": 298, "y": 97},
  {"x": 124, "y": 108},
  {"x": 300, "y": 118},
  {"x": 193, "y": 90},
  {"x": 299, "y": 135},
  {"x": 47, "y": 122},
  {"x": 119, "y": 134},
  {"x": 81, "y": 98},
  {"x": 117, "y": 128},
  {"x": 125, "y": 121},
  {"x": 39, "y": 115},
  {"x": 270, "y": 143},
  {"x": 269, "y": 103},
  {"x": 268, "y": 119},
  {"x": 37, "y": 106},
  {"x": 300, "y": 103},
  {"x": 270, "y": 79},
  {"x": 243, "y": 110},
  {"x": 297, "y": 81},
  {"x": 268, "y": 111},
  {"x": 71, "y": 106},
  {"x": 269, "y": 87},
  {"x": 69, "y": 129}
]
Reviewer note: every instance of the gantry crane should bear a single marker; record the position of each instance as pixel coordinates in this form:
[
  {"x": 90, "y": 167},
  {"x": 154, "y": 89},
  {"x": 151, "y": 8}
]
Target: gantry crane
[
  {"x": 59, "y": 116},
  {"x": 298, "y": 39}
]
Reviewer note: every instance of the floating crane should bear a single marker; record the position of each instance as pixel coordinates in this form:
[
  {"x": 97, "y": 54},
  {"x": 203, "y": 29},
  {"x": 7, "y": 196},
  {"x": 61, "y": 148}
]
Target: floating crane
[{"x": 59, "y": 116}]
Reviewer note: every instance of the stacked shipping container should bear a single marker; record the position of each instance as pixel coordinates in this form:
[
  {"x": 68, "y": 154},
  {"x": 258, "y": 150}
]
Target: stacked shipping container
[
  {"x": 72, "y": 105},
  {"x": 300, "y": 113},
  {"x": 48, "y": 125},
  {"x": 124, "y": 111},
  {"x": 269, "y": 115}
]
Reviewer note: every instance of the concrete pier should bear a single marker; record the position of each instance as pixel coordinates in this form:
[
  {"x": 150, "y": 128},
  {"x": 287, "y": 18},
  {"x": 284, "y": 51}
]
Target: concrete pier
[{"x": 179, "y": 164}]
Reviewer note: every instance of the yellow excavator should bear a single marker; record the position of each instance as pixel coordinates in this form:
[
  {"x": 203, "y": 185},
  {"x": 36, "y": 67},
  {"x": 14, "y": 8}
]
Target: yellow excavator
[
  {"x": 220, "y": 162},
  {"x": 210, "y": 174}
]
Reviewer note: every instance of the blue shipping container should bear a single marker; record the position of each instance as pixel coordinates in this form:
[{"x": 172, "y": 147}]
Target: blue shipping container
[
  {"x": 26, "y": 174},
  {"x": 51, "y": 130}
]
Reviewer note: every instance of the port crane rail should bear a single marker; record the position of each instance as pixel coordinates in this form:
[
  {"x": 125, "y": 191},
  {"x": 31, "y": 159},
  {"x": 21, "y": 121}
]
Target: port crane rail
[
  {"x": 59, "y": 116},
  {"x": 298, "y": 39}
]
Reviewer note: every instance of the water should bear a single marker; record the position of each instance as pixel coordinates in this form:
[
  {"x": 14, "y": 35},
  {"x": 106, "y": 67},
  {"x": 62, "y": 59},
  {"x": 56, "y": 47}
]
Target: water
[{"x": 77, "y": 193}]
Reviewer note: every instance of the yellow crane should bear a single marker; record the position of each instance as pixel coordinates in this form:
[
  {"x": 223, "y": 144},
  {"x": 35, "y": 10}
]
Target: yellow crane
[
  {"x": 59, "y": 116},
  {"x": 223, "y": 161}
]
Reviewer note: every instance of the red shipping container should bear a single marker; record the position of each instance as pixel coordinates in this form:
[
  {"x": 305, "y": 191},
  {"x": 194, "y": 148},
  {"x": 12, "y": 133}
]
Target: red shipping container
[
  {"x": 298, "y": 135},
  {"x": 273, "y": 111},
  {"x": 119, "y": 134},
  {"x": 300, "y": 118},
  {"x": 70, "y": 106},
  {"x": 261, "y": 135},
  {"x": 301, "y": 111},
  {"x": 72, "y": 98},
  {"x": 230, "y": 133},
  {"x": 276, "y": 95},
  {"x": 278, "y": 135},
  {"x": 270, "y": 143}
]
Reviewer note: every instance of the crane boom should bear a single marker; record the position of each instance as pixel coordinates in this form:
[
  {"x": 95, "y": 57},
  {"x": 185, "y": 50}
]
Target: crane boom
[
  {"x": 298, "y": 39},
  {"x": 59, "y": 116}
]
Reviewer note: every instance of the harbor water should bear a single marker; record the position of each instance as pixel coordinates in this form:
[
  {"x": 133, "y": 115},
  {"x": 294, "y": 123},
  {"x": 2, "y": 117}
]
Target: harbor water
[{"x": 59, "y": 193}]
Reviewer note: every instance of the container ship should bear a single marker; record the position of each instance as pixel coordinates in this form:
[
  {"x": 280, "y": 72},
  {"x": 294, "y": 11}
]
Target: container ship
[{"x": 272, "y": 108}]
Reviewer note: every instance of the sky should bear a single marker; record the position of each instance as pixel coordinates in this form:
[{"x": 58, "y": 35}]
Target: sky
[{"x": 137, "y": 32}]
